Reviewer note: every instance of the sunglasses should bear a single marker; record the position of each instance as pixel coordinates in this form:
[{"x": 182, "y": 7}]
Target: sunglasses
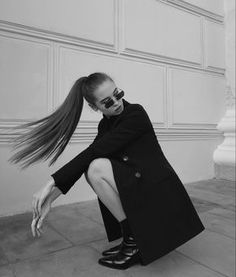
[{"x": 110, "y": 102}]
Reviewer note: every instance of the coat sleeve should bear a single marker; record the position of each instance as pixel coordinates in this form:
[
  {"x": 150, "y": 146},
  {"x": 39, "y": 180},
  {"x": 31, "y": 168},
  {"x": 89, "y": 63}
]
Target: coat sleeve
[{"x": 133, "y": 123}]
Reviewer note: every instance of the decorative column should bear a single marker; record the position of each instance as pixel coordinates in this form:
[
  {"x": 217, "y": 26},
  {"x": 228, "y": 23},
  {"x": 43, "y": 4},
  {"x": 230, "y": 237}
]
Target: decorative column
[{"x": 224, "y": 155}]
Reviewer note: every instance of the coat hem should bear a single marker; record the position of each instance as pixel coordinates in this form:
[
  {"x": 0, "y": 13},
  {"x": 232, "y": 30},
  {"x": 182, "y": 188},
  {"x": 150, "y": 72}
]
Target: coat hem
[{"x": 146, "y": 261}]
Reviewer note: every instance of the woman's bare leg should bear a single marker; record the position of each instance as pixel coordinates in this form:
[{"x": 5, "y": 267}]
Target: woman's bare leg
[{"x": 100, "y": 177}]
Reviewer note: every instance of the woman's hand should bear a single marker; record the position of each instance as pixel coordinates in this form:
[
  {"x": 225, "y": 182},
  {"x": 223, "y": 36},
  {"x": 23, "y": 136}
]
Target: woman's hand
[
  {"x": 38, "y": 220},
  {"x": 41, "y": 205}
]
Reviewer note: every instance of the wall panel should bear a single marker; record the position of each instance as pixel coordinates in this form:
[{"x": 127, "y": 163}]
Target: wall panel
[
  {"x": 197, "y": 99},
  {"x": 24, "y": 78},
  {"x": 86, "y": 19},
  {"x": 142, "y": 82},
  {"x": 214, "y": 44},
  {"x": 156, "y": 28}
]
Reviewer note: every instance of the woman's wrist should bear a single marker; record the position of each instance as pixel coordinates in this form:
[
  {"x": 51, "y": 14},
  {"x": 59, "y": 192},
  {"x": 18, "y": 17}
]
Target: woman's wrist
[
  {"x": 54, "y": 194},
  {"x": 53, "y": 191},
  {"x": 51, "y": 182}
]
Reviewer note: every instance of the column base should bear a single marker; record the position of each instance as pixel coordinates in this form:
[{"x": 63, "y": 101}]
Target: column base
[{"x": 226, "y": 172}]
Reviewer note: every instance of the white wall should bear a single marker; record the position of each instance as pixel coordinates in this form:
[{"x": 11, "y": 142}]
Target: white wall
[
  {"x": 229, "y": 8},
  {"x": 167, "y": 55}
]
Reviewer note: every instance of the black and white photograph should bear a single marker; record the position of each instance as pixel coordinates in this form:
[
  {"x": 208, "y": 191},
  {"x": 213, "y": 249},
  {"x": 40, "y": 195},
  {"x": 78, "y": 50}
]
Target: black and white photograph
[{"x": 117, "y": 138}]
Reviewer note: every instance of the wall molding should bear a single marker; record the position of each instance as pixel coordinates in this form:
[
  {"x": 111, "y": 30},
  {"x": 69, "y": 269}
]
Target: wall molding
[
  {"x": 200, "y": 126},
  {"x": 167, "y": 60},
  {"x": 87, "y": 130},
  {"x": 13, "y": 29},
  {"x": 129, "y": 52},
  {"x": 192, "y": 8},
  {"x": 204, "y": 27},
  {"x": 56, "y": 37}
]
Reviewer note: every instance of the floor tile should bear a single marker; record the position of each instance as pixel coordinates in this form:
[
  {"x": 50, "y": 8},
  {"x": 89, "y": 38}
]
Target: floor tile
[
  {"x": 17, "y": 241},
  {"x": 220, "y": 186},
  {"x": 203, "y": 205},
  {"x": 212, "y": 250},
  {"x": 210, "y": 196},
  {"x": 3, "y": 258},
  {"x": 6, "y": 271},
  {"x": 224, "y": 213},
  {"x": 74, "y": 238},
  {"x": 91, "y": 210},
  {"x": 230, "y": 206},
  {"x": 173, "y": 264},
  {"x": 63, "y": 210},
  {"x": 104, "y": 244},
  {"x": 78, "y": 229},
  {"x": 218, "y": 224},
  {"x": 78, "y": 261}
]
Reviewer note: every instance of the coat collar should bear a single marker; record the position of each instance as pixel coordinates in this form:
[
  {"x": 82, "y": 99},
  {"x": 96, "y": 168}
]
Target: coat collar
[{"x": 125, "y": 103}]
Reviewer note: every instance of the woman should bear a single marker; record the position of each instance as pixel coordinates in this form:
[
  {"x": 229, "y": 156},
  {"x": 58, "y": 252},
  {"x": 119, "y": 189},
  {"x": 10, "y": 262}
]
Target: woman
[{"x": 140, "y": 196}]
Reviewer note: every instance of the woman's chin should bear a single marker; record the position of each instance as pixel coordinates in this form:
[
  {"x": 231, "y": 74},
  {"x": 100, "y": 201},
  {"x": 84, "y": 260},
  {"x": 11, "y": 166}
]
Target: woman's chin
[{"x": 119, "y": 110}]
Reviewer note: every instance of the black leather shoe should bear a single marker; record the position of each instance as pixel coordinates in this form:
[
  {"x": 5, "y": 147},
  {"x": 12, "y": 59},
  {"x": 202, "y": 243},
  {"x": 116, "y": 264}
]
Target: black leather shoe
[
  {"x": 127, "y": 256},
  {"x": 112, "y": 251}
]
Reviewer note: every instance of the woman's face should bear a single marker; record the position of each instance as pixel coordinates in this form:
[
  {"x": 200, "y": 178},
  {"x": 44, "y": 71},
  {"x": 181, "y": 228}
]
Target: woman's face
[{"x": 107, "y": 90}]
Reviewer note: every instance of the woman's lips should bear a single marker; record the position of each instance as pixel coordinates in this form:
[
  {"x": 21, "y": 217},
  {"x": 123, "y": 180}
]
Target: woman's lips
[{"x": 118, "y": 108}]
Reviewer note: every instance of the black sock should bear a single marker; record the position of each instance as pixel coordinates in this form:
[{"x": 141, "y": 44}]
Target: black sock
[{"x": 126, "y": 231}]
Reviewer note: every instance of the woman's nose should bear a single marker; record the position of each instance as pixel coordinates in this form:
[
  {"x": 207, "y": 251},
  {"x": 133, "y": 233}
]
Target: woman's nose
[{"x": 116, "y": 102}]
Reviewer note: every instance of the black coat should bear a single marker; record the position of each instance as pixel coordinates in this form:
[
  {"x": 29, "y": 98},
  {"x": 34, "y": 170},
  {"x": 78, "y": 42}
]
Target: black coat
[{"x": 158, "y": 208}]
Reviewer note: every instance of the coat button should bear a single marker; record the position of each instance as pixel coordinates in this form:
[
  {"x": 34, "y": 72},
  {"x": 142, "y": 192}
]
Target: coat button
[
  {"x": 125, "y": 158},
  {"x": 137, "y": 174}
]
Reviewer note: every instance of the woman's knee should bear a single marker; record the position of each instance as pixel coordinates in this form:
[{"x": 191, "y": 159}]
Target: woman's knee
[{"x": 96, "y": 167}]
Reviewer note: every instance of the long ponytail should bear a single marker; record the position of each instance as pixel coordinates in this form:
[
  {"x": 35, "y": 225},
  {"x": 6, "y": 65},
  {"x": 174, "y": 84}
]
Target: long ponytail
[{"x": 51, "y": 133}]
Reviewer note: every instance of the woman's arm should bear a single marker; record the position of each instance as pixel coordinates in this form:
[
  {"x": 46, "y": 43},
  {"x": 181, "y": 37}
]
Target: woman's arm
[
  {"x": 55, "y": 192},
  {"x": 133, "y": 124}
]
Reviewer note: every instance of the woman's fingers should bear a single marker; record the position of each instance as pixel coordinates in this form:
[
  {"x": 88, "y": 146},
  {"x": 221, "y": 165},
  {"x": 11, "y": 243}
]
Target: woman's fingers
[
  {"x": 35, "y": 204},
  {"x": 35, "y": 215},
  {"x": 39, "y": 226},
  {"x": 40, "y": 200},
  {"x": 40, "y": 209},
  {"x": 38, "y": 204},
  {"x": 33, "y": 227},
  {"x": 37, "y": 221},
  {"x": 35, "y": 231},
  {"x": 40, "y": 197},
  {"x": 45, "y": 209}
]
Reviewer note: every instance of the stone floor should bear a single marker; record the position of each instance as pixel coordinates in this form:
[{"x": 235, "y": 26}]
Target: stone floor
[{"x": 74, "y": 237}]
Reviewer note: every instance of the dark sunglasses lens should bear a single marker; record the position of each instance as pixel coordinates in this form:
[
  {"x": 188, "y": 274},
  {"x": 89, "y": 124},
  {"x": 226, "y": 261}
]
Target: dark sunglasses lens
[
  {"x": 109, "y": 103},
  {"x": 120, "y": 95}
]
